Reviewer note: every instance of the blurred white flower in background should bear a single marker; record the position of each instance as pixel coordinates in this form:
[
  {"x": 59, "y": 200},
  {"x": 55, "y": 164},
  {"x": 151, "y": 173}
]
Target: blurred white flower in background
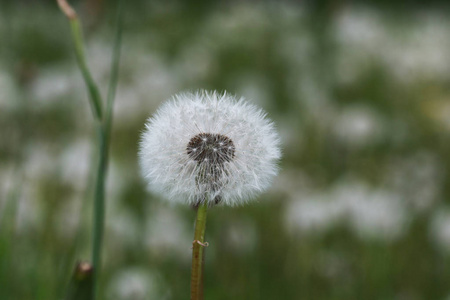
[
  {"x": 372, "y": 213},
  {"x": 292, "y": 182},
  {"x": 440, "y": 229},
  {"x": 116, "y": 183},
  {"x": 312, "y": 214},
  {"x": 136, "y": 283},
  {"x": 55, "y": 85},
  {"x": 9, "y": 94},
  {"x": 9, "y": 186},
  {"x": 418, "y": 177},
  {"x": 30, "y": 213},
  {"x": 360, "y": 36},
  {"x": 245, "y": 25},
  {"x": 146, "y": 81},
  {"x": 122, "y": 225},
  {"x": 409, "y": 51},
  {"x": 155, "y": 77},
  {"x": 38, "y": 161},
  {"x": 129, "y": 103},
  {"x": 167, "y": 233},
  {"x": 369, "y": 213},
  {"x": 360, "y": 27},
  {"x": 420, "y": 52},
  {"x": 98, "y": 55},
  {"x": 358, "y": 126},
  {"x": 75, "y": 163}
]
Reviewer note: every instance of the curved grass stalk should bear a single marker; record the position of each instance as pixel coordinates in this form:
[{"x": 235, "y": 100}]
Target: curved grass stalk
[{"x": 103, "y": 124}]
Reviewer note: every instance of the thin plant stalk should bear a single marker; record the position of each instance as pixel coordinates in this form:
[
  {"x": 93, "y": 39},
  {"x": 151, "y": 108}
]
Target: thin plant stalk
[
  {"x": 104, "y": 132},
  {"x": 77, "y": 37},
  {"x": 80, "y": 286},
  {"x": 103, "y": 124},
  {"x": 99, "y": 206},
  {"x": 115, "y": 60},
  {"x": 198, "y": 253}
]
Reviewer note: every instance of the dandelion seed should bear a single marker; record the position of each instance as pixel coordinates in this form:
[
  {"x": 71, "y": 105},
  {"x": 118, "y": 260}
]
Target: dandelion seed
[{"x": 211, "y": 147}]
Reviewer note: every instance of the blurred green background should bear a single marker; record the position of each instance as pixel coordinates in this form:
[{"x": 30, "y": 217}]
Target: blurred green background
[{"x": 361, "y": 97}]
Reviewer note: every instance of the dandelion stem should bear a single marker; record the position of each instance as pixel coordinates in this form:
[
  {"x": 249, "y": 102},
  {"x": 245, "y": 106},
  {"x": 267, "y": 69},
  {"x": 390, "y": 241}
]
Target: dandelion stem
[{"x": 198, "y": 253}]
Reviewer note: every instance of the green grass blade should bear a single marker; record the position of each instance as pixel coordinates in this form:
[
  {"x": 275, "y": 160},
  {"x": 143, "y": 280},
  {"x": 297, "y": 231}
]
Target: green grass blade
[
  {"x": 103, "y": 128},
  {"x": 114, "y": 66},
  {"x": 104, "y": 133},
  {"x": 99, "y": 208},
  {"x": 94, "y": 94},
  {"x": 77, "y": 36}
]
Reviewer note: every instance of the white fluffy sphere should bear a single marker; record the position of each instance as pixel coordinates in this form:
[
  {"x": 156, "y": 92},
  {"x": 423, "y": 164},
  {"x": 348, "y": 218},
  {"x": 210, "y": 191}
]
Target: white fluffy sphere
[{"x": 209, "y": 147}]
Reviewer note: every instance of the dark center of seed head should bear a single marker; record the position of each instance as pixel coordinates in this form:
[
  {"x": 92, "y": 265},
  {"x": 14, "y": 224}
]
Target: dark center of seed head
[{"x": 211, "y": 147}]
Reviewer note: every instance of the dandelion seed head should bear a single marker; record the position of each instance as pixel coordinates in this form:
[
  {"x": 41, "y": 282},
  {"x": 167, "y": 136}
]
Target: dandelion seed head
[{"x": 209, "y": 146}]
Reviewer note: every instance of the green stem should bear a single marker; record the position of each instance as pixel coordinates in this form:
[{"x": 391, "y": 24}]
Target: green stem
[
  {"x": 99, "y": 206},
  {"x": 103, "y": 124},
  {"x": 114, "y": 68},
  {"x": 94, "y": 94},
  {"x": 104, "y": 132},
  {"x": 198, "y": 253}
]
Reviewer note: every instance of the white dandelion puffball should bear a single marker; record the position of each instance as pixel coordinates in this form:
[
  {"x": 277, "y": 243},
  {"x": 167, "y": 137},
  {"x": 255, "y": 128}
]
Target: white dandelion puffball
[{"x": 207, "y": 146}]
